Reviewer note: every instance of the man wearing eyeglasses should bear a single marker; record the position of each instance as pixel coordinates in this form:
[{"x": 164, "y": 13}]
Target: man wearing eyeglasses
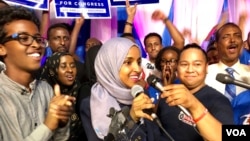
[{"x": 29, "y": 108}]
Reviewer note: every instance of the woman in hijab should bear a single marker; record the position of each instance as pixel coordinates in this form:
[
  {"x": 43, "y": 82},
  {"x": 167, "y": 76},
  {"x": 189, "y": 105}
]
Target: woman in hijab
[
  {"x": 118, "y": 69},
  {"x": 60, "y": 69}
]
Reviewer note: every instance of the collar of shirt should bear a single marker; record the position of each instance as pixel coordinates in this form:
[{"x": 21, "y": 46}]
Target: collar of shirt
[{"x": 236, "y": 67}]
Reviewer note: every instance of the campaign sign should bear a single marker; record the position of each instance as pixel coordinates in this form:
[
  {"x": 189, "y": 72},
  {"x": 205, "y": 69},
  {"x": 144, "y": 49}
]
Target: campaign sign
[
  {"x": 123, "y": 2},
  {"x": 235, "y": 132},
  {"x": 34, "y": 4},
  {"x": 90, "y": 9}
]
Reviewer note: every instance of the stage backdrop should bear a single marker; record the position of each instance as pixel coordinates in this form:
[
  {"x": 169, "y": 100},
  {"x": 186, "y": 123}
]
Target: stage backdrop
[
  {"x": 197, "y": 15},
  {"x": 200, "y": 16}
]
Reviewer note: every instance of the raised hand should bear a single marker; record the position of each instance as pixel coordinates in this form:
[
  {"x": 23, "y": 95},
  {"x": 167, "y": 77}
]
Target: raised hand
[
  {"x": 186, "y": 32},
  {"x": 131, "y": 11},
  {"x": 168, "y": 75},
  {"x": 80, "y": 21},
  {"x": 158, "y": 15},
  {"x": 60, "y": 110}
]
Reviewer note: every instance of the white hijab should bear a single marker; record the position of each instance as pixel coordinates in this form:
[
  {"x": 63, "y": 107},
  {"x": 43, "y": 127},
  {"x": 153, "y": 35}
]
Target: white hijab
[{"x": 109, "y": 91}]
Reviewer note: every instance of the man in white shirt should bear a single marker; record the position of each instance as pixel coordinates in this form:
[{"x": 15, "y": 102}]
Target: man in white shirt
[
  {"x": 229, "y": 44},
  {"x": 153, "y": 43}
]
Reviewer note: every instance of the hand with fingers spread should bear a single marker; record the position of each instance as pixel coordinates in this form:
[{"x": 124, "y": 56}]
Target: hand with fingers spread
[
  {"x": 168, "y": 75},
  {"x": 139, "y": 105},
  {"x": 60, "y": 109}
]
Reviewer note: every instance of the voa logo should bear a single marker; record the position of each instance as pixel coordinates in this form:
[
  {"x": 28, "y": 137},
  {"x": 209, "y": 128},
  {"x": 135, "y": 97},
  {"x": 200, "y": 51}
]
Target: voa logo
[{"x": 236, "y": 132}]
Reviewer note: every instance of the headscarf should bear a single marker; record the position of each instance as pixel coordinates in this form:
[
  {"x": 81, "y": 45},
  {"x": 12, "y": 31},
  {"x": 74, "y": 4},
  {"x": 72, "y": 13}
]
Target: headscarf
[
  {"x": 109, "y": 91},
  {"x": 49, "y": 73}
]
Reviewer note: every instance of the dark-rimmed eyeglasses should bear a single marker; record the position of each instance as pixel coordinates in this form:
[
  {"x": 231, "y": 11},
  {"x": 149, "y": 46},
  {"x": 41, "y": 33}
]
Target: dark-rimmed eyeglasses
[
  {"x": 171, "y": 61},
  {"x": 26, "y": 39}
]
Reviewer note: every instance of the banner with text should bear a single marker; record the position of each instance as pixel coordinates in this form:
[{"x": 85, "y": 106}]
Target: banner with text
[
  {"x": 132, "y": 2},
  {"x": 90, "y": 9},
  {"x": 34, "y": 4}
]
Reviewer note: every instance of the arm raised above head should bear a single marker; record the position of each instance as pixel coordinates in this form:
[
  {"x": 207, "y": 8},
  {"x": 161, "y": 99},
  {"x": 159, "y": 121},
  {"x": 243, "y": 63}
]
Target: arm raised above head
[{"x": 174, "y": 32}]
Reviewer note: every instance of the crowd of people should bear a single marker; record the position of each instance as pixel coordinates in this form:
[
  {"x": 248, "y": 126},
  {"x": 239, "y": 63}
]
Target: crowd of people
[{"x": 58, "y": 97}]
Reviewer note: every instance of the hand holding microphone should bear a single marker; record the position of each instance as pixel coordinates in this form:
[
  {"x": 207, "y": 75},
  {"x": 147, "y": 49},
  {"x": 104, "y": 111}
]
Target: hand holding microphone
[
  {"x": 137, "y": 91},
  {"x": 174, "y": 94},
  {"x": 142, "y": 105}
]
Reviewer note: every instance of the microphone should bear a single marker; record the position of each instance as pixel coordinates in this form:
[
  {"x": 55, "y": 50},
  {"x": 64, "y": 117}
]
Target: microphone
[
  {"x": 136, "y": 91},
  {"x": 118, "y": 123},
  {"x": 23, "y": 92},
  {"x": 154, "y": 82},
  {"x": 227, "y": 79}
]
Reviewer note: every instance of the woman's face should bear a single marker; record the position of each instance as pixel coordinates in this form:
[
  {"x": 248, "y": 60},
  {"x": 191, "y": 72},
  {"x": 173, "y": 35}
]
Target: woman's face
[
  {"x": 131, "y": 68},
  {"x": 67, "y": 70},
  {"x": 169, "y": 58}
]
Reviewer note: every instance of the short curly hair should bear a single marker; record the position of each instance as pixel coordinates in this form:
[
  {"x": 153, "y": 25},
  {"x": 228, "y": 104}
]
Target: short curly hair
[
  {"x": 153, "y": 34},
  {"x": 218, "y": 32},
  {"x": 160, "y": 54},
  {"x": 13, "y": 13},
  {"x": 195, "y": 46},
  {"x": 65, "y": 26}
]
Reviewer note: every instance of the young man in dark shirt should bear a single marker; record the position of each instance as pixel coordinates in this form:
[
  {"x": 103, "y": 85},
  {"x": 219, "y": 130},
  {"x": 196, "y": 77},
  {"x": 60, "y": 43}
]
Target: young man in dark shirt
[{"x": 208, "y": 109}]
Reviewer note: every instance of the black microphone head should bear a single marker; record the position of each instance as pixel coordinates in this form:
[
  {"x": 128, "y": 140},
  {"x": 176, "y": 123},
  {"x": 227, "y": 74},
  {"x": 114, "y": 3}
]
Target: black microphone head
[
  {"x": 111, "y": 112},
  {"x": 129, "y": 123},
  {"x": 125, "y": 111},
  {"x": 152, "y": 79},
  {"x": 224, "y": 78},
  {"x": 136, "y": 90}
]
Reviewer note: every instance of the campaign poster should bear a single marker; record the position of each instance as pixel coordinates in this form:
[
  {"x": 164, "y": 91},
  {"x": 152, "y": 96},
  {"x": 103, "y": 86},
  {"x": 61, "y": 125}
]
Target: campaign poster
[
  {"x": 90, "y": 9},
  {"x": 33, "y": 4},
  {"x": 123, "y": 2}
]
